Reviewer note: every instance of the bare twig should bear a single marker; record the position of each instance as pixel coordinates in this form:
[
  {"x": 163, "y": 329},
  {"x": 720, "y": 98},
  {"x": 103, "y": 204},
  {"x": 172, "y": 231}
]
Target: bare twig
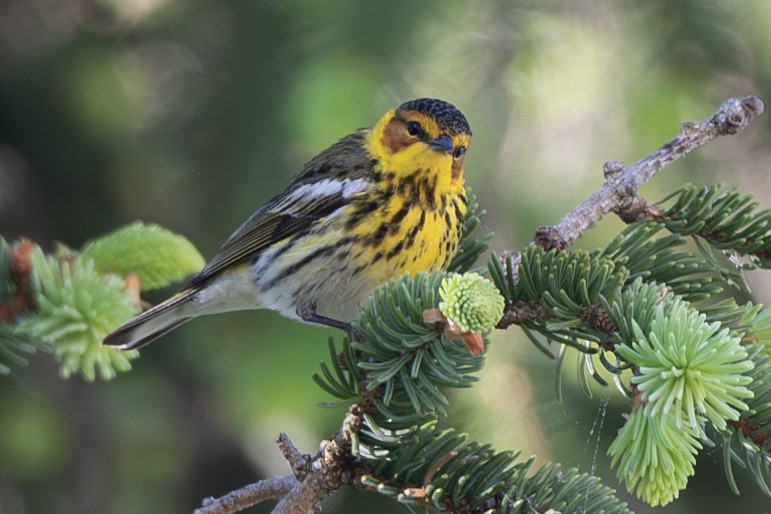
[
  {"x": 252, "y": 494},
  {"x": 314, "y": 477},
  {"x": 327, "y": 472},
  {"x": 299, "y": 461},
  {"x": 618, "y": 193}
]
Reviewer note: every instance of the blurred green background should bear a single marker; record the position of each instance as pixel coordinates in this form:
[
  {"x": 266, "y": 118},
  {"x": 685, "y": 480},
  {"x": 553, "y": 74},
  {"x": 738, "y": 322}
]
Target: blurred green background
[{"x": 191, "y": 114}]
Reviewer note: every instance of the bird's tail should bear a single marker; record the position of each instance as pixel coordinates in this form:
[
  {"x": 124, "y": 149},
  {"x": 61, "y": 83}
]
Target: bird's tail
[{"x": 151, "y": 324}]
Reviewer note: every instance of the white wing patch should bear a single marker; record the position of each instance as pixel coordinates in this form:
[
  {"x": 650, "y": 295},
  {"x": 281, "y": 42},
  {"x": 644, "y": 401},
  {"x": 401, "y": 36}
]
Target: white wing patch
[
  {"x": 329, "y": 187},
  {"x": 323, "y": 188}
]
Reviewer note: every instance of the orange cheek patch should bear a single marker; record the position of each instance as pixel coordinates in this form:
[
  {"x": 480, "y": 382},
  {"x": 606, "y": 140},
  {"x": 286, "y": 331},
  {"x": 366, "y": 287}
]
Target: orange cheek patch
[
  {"x": 393, "y": 139},
  {"x": 457, "y": 168}
]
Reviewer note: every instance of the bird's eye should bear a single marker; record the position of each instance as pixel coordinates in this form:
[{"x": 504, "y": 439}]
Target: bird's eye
[
  {"x": 458, "y": 152},
  {"x": 414, "y": 128}
]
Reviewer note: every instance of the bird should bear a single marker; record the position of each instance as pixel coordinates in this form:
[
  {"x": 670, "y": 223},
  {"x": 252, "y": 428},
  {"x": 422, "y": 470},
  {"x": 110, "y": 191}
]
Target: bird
[{"x": 381, "y": 202}]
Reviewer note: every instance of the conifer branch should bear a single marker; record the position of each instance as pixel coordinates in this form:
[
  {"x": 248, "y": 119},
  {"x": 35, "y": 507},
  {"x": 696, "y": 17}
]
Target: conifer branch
[
  {"x": 723, "y": 218},
  {"x": 618, "y": 193},
  {"x": 651, "y": 307},
  {"x": 640, "y": 304},
  {"x": 639, "y": 288},
  {"x": 65, "y": 302}
]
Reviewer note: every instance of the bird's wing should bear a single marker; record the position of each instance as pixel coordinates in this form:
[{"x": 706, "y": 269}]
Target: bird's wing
[
  {"x": 324, "y": 185},
  {"x": 263, "y": 229}
]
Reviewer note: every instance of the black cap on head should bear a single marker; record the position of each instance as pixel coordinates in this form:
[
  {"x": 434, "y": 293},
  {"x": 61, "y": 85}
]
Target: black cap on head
[{"x": 448, "y": 116}]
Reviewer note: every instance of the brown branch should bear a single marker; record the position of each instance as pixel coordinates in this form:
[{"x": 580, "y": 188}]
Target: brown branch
[
  {"x": 521, "y": 312},
  {"x": 327, "y": 472},
  {"x": 22, "y": 299},
  {"x": 753, "y": 431},
  {"x": 619, "y": 191},
  {"x": 299, "y": 462},
  {"x": 313, "y": 480},
  {"x": 252, "y": 494}
]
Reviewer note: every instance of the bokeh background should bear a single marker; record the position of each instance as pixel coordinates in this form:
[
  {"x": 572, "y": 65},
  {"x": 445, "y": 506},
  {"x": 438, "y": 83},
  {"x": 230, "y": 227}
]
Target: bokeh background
[{"x": 190, "y": 114}]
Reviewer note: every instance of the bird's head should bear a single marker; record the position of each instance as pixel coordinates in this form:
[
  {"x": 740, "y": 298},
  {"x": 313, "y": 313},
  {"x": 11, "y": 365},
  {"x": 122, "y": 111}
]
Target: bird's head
[{"x": 424, "y": 134}]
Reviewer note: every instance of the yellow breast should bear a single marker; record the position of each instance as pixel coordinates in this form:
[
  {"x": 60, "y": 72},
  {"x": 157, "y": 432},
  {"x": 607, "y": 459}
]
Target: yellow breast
[
  {"x": 416, "y": 226},
  {"x": 411, "y": 220}
]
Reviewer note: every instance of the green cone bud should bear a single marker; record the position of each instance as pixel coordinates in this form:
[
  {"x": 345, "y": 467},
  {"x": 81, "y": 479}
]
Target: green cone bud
[{"x": 471, "y": 301}]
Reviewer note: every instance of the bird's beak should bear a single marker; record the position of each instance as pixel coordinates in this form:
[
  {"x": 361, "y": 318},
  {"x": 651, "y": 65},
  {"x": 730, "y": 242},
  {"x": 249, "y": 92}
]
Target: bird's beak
[{"x": 441, "y": 143}]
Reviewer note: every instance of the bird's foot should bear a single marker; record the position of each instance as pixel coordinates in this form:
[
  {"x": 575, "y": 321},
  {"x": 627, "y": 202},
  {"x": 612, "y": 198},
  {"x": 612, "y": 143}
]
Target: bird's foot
[{"x": 309, "y": 314}]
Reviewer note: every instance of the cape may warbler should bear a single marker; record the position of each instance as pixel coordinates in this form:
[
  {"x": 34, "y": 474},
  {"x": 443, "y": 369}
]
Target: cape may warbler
[{"x": 380, "y": 202}]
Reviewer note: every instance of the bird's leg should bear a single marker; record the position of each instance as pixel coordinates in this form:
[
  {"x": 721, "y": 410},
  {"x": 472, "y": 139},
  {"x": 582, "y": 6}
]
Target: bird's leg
[{"x": 309, "y": 314}]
